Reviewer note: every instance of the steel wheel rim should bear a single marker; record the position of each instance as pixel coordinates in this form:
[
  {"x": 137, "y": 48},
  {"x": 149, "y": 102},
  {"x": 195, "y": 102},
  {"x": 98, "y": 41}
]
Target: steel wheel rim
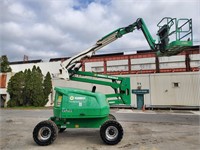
[
  {"x": 111, "y": 133},
  {"x": 44, "y": 133}
]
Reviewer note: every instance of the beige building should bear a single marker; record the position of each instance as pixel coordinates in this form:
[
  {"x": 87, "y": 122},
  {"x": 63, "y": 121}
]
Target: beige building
[{"x": 172, "y": 81}]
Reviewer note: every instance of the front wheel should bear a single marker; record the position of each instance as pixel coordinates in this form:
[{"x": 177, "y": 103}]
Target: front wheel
[
  {"x": 111, "y": 132},
  {"x": 45, "y": 132}
]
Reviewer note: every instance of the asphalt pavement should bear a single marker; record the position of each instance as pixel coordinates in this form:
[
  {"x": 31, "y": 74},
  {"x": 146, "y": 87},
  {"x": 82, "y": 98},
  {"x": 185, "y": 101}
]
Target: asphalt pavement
[{"x": 143, "y": 130}]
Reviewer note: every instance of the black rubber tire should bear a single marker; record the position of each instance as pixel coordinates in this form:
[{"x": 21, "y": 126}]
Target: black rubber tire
[
  {"x": 111, "y": 132},
  {"x": 45, "y": 132},
  {"x": 61, "y": 130},
  {"x": 111, "y": 117}
]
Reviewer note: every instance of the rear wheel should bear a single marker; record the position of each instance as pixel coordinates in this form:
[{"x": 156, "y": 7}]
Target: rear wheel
[
  {"x": 111, "y": 132},
  {"x": 45, "y": 132}
]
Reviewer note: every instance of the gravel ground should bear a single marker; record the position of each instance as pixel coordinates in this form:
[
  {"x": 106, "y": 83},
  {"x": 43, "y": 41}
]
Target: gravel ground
[{"x": 16, "y": 128}]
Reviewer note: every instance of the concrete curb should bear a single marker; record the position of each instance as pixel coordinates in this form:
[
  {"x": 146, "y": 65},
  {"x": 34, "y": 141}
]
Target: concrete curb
[
  {"x": 196, "y": 112},
  {"x": 156, "y": 112}
]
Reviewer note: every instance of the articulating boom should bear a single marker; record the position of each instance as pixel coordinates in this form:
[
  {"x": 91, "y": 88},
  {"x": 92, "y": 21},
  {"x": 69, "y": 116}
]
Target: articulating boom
[
  {"x": 120, "y": 85},
  {"x": 71, "y": 63},
  {"x": 179, "y": 30},
  {"x": 168, "y": 27}
]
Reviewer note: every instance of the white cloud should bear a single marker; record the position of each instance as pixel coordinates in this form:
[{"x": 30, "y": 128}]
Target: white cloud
[
  {"x": 43, "y": 54},
  {"x": 60, "y": 28},
  {"x": 11, "y": 31},
  {"x": 45, "y": 32},
  {"x": 17, "y": 9}
]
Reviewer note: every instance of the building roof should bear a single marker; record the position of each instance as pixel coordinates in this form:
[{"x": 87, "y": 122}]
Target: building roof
[
  {"x": 26, "y": 62},
  {"x": 58, "y": 59},
  {"x": 94, "y": 56}
]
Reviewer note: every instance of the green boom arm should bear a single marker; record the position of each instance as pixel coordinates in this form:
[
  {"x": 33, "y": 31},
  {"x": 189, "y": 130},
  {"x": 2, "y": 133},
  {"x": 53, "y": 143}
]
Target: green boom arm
[
  {"x": 121, "y": 85},
  {"x": 181, "y": 28},
  {"x": 74, "y": 61}
]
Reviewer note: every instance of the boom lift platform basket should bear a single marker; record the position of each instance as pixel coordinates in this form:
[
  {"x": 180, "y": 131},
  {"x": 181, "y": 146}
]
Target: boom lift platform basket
[{"x": 178, "y": 31}]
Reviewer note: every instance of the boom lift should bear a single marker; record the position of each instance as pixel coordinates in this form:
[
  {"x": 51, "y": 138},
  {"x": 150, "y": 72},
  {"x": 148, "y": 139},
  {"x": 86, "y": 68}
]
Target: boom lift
[{"x": 77, "y": 108}]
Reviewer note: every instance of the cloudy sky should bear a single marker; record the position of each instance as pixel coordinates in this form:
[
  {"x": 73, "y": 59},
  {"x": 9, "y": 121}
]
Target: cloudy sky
[{"x": 44, "y": 29}]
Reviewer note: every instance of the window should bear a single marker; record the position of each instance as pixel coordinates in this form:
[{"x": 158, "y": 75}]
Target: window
[
  {"x": 97, "y": 69},
  {"x": 176, "y": 84}
]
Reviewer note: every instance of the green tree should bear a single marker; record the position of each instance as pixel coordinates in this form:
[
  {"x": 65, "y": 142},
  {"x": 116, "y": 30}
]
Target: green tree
[
  {"x": 47, "y": 86},
  {"x": 15, "y": 89},
  {"x": 4, "y": 67},
  {"x": 39, "y": 70},
  {"x": 28, "y": 88},
  {"x": 37, "y": 98}
]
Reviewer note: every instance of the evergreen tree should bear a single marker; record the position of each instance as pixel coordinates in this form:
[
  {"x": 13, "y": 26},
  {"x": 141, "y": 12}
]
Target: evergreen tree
[
  {"x": 47, "y": 86},
  {"x": 4, "y": 67},
  {"x": 28, "y": 88},
  {"x": 15, "y": 89},
  {"x": 39, "y": 70},
  {"x": 37, "y": 98},
  {"x": 34, "y": 69}
]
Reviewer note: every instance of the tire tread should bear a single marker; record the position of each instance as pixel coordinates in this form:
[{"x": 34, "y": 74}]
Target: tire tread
[
  {"x": 106, "y": 125},
  {"x": 53, "y": 136}
]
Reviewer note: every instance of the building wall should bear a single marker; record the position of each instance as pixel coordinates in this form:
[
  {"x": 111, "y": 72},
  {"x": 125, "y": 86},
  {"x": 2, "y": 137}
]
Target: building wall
[
  {"x": 169, "y": 89},
  {"x": 163, "y": 88},
  {"x": 175, "y": 89},
  {"x": 52, "y": 67},
  {"x": 5, "y": 77},
  {"x": 144, "y": 63},
  {"x": 140, "y": 65},
  {"x": 181, "y": 70},
  {"x": 166, "y": 89}
]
